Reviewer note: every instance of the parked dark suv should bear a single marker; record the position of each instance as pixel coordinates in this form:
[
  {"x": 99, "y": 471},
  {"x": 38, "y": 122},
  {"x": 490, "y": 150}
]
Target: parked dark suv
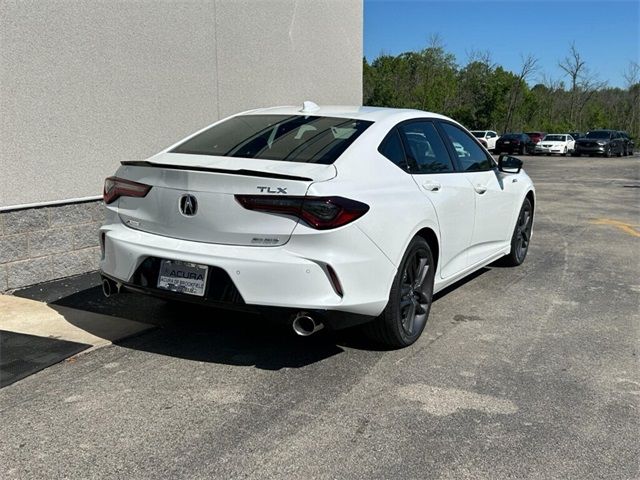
[
  {"x": 629, "y": 144},
  {"x": 515, "y": 143},
  {"x": 600, "y": 142}
]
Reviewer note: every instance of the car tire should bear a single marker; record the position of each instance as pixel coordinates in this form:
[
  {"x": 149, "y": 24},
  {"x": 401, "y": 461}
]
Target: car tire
[
  {"x": 522, "y": 150},
  {"x": 607, "y": 152},
  {"x": 575, "y": 153},
  {"x": 619, "y": 154},
  {"x": 564, "y": 154},
  {"x": 521, "y": 237},
  {"x": 407, "y": 311}
]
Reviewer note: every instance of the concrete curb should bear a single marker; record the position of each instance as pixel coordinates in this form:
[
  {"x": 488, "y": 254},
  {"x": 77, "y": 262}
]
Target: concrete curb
[{"x": 32, "y": 317}]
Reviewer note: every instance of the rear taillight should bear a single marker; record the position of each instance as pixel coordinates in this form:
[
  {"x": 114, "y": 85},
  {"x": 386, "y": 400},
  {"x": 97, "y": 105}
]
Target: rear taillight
[
  {"x": 115, "y": 188},
  {"x": 321, "y": 213}
]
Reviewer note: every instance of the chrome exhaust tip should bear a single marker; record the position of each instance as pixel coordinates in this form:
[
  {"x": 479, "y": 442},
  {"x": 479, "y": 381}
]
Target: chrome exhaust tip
[
  {"x": 106, "y": 288},
  {"x": 109, "y": 287},
  {"x": 304, "y": 324}
]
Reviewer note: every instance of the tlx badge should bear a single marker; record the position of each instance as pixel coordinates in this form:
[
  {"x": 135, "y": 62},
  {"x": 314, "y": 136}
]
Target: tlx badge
[{"x": 271, "y": 190}]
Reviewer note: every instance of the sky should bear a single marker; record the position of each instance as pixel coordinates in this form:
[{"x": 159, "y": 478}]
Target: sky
[{"x": 606, "y": 33}]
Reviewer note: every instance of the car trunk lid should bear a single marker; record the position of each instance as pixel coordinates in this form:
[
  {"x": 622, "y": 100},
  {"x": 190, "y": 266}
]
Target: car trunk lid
[{"x": 192, "y": 197}]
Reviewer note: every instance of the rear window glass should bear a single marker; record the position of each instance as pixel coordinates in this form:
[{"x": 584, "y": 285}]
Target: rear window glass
[
  {"x": 289, "y": 138},
  {"x": 599, "y": 134}
]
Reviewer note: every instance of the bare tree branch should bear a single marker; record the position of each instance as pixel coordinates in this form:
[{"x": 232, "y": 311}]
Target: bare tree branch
[
  {"x": 632, "y": 74},
  {"x": 529, "y": 67}
]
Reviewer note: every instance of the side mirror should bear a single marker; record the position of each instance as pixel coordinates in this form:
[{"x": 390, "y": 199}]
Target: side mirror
[{"x": 509, "y": 164}]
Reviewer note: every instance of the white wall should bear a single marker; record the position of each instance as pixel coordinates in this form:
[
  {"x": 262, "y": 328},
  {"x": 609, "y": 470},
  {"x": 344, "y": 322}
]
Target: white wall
[{"x": 86, "y": 84}]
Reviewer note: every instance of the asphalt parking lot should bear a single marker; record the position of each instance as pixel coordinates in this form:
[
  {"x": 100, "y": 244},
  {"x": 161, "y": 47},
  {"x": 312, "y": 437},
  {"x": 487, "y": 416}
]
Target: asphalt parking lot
[{"x": 530, "y": 372}]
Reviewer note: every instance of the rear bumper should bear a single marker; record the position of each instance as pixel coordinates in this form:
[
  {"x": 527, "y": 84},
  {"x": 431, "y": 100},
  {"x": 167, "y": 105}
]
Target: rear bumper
[
  {"x": 549, "y": 150},
  {"x": 292, "y": 276},
  {"x": 508, "y": 148}
]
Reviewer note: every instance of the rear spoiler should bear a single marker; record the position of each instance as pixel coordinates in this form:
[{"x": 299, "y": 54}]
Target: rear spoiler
[{"x": 247, "y": 173}]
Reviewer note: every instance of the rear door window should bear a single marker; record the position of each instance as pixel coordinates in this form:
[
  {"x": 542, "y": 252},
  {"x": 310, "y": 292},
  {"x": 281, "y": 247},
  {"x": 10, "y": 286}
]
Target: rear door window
[
  {"x": 288, "y": 138},
  {"x": 391, "y": 147},
  {"x": 426, "y": 152}
]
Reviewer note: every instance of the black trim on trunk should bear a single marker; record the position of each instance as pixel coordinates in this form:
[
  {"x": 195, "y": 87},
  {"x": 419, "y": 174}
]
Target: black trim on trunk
[{"x": 246, "y": 173}]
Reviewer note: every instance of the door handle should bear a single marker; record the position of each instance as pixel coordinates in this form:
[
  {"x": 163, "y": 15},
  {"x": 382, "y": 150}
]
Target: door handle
[
  {"x": 480, "y": 189},
  {"x": 431, "y": 186}
]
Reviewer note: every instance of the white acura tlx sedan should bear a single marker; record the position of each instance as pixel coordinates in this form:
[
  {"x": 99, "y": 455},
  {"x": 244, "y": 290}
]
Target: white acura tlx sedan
[{"x": 322, "y": 216}]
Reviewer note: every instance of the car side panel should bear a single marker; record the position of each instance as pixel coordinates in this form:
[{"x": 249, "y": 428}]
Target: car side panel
[
  {"x": 396, "y": 204},
  {"x": 495, "y": 208}
]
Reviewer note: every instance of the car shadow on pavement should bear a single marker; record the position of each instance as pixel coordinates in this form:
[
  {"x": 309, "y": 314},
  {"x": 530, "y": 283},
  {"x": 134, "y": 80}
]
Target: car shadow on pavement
[{"x": 202, "y": 333}]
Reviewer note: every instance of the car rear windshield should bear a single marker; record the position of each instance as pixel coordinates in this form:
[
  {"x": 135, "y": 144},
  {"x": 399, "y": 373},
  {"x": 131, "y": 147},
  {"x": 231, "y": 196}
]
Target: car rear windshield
[
  {"x": 598, "y": 134},
  {"x": 288, "y": 138},
  {"x": 510, "y": 136}
]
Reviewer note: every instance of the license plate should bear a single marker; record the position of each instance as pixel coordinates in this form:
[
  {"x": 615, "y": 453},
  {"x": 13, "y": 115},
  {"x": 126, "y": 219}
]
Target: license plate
[
  {"x": 506, "y": 142},
  {"x": 182, "y": 277}
]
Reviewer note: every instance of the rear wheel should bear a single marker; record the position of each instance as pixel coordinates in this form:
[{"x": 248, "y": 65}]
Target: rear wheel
[
  {"x": 520, "y": 237},
  {"x": 405, "y": 316}
]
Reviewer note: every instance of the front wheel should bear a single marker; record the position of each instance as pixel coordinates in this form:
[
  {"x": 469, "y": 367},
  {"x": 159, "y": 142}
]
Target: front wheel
[
  {"x": 521, "y": 236},
  {"x": 405, "y": 316},
  {"x": 564, "y": 154}
]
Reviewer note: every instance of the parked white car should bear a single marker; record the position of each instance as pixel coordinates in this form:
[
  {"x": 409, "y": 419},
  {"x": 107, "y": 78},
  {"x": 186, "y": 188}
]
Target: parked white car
[
  {"x": 556, "y": 143},
  {"x": 487, "y": 137},
  {"x": 327, "y": 216}
]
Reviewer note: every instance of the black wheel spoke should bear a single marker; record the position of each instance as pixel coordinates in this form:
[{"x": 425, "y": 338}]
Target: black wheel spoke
[
  {"x": 404, "y": 303},
  {"x": 408, "y": 321},
  {"x": 415, "y": 293},
  {"x": 423, "y": 269}
]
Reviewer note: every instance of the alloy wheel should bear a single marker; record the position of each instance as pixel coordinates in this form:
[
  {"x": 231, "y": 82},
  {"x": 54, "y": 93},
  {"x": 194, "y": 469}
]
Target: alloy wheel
[
  {"x": 523, "y": 232},
  {"x": 415, "y": 294}
]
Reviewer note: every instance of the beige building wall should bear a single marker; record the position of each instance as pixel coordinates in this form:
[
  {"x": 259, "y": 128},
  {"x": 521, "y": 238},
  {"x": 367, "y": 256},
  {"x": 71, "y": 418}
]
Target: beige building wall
[{"x": 85, "y": 84}]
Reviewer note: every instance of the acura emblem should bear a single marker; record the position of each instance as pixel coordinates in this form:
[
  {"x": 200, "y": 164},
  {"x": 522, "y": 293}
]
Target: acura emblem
[{"x": 188, "y": 205}]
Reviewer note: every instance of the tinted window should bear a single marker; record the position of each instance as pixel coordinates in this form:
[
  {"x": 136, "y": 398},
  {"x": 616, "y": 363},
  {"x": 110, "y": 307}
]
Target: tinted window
[
  {"x": 598, "y": 134},
  {"x": 391, "y": 147},
  {"x": 471, "y": 156},
  {"x": 426, "y": 152},
  {"x": 290, "y": 138},
  {"x": 510, "y": 136}
]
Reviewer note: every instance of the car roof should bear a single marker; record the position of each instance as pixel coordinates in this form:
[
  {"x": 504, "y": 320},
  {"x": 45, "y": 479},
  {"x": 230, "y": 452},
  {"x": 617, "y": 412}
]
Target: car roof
[{"x": 372, "y": 114}]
